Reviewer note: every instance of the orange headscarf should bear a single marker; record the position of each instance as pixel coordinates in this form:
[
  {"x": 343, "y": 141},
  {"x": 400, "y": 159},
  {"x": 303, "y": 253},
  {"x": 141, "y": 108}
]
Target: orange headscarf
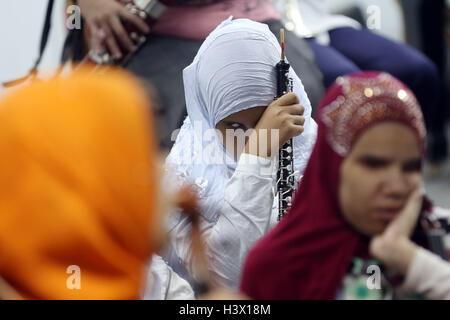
[{"x": 78, "y": 187}]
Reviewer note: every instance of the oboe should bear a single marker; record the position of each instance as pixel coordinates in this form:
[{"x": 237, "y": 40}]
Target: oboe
[{"x": 285, "y": 174}]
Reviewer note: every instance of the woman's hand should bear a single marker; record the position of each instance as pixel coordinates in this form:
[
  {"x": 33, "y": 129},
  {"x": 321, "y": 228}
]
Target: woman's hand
[
  {"x": 104, "y": 19},
  {"x": 393, "y": 247},
  {"x": 284, "y": 115}
]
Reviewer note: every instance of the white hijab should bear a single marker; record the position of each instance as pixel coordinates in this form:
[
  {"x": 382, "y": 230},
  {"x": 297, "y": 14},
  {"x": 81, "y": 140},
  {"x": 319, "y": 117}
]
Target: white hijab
[{"x": 234, "y": 70}]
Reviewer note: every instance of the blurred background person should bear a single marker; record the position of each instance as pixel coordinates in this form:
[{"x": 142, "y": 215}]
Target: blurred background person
[{"x": 79, "y": 191}]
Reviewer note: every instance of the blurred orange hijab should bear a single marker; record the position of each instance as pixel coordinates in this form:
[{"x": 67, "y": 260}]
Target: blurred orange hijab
[{"x": 78, "y": 188}]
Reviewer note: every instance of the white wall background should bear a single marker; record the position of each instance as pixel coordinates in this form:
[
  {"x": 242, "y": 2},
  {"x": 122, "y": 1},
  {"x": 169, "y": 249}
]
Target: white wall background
[{"x": 21, "y": 23}]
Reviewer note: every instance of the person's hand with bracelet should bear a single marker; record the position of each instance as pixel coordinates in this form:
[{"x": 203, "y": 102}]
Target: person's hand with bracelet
[
  {"x": 104, "y": 18},
  {"x": 285, "y": 115}
]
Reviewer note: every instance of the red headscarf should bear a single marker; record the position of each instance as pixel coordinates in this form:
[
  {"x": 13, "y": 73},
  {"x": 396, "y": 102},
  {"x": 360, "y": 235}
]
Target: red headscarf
[{"x": 308, "y": 253}]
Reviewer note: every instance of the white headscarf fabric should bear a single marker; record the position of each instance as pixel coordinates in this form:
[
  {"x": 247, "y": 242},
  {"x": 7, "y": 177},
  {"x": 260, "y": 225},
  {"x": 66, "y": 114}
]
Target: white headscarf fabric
[{"x": 234, "y": 70}]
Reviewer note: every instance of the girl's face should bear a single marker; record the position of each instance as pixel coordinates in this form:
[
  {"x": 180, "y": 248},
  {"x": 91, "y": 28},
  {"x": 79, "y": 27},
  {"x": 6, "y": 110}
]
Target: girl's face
[
  {"x": 235, "y": 129},
  {"x": 378, "y": 175}
]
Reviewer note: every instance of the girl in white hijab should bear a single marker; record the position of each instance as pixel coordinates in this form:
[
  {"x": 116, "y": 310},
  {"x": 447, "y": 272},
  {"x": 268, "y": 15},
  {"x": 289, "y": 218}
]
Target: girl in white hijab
[{"x": 230, "y": 85}]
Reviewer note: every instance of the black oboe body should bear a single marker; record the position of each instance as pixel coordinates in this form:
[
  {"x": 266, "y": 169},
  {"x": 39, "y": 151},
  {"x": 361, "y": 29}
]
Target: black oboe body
[{"x": 285, "y": 174}]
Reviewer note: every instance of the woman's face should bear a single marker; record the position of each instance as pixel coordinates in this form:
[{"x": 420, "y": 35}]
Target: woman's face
[
  {"x": 235, "y": 129},
  {"x": 377, "y": 177}
]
